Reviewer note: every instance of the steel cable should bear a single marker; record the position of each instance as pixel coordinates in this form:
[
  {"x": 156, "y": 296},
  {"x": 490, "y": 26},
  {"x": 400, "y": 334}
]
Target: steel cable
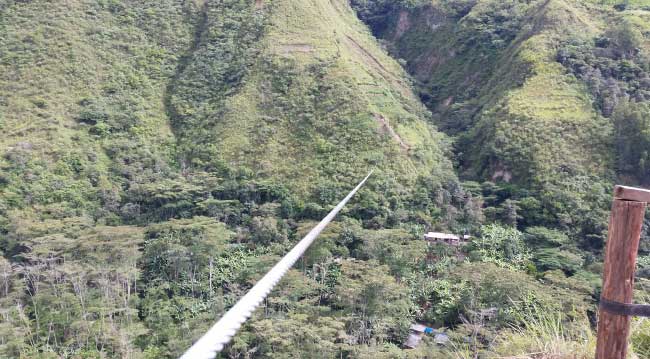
[{"x": 222, "y": 332}]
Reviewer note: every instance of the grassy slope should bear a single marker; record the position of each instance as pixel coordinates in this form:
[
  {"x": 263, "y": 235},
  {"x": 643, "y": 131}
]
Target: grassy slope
[
  {"x": 320, "y": 98},
  {"x": 101, "y": 59},
  {"x": 100, "y": 112},
  {"x": 63, "y": 181},
  {"x": 518, "y": 116},
  {"x": 81, "y": 52},
  {"x": 548, "y": 124},
  {"x": 525, "y": 116},
  {"x": 86, "y": 94}
]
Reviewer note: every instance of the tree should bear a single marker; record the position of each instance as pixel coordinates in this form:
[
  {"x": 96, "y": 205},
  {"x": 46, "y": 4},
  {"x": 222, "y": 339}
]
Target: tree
[
  {"x": 503, "y": 246},
  {"x": 378, "y": 306},
  {"x": 545, "y": 237},
  {"x": 627, "y": 38},
  {"x": 555, "y": 258},
  {"x": 632, "y": 124}
]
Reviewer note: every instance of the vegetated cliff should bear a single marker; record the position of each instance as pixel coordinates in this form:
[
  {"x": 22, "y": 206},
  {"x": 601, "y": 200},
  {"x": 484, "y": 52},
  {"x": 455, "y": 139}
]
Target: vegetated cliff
[
  {"x": 528, "y": 91},
  {"x": 228, "y": 89},
  {"x": 145, "y": 144},
  {"x": 157, "y": 158},
  {"x": 301, "y": 94},
  {"x": 489, "y": 69}
]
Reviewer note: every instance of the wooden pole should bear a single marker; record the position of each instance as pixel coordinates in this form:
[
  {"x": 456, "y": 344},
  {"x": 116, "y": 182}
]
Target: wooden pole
[{"x": 625, "y": 223}]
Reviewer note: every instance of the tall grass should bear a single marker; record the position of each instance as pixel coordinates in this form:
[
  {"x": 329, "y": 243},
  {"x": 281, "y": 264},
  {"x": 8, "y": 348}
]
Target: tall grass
[
  {"x": 641, "y": 338},
  {"x": 546, "y": 334}
]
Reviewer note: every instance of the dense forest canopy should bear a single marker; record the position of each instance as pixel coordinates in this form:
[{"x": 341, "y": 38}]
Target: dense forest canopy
[{"x": 157, "y": 158}]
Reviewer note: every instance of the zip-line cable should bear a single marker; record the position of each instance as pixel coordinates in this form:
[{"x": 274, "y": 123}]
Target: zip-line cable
[{"x": 222, "y": 332}]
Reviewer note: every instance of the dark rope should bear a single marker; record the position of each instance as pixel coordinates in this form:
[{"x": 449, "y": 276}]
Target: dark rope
[{"x": 618, "y": 308}]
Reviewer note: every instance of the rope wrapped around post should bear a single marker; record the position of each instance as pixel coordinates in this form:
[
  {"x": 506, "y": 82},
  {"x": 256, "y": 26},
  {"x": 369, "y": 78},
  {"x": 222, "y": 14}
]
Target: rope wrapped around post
[{"x": 616, "y": 308}]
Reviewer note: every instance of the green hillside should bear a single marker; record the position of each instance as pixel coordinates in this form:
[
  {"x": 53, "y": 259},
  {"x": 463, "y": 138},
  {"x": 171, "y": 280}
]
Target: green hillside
[
  {"x": 546, "y": 102},
  {"x": 541, "y": 95},
  {"x": 293, "y": 96},
  {"x": 143, "y": 145},
  {"x": 156, "y": 158}
]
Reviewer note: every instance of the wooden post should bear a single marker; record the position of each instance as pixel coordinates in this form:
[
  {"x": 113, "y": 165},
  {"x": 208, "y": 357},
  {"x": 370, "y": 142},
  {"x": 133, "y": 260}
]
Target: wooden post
[{"x": 625, "y": 223}]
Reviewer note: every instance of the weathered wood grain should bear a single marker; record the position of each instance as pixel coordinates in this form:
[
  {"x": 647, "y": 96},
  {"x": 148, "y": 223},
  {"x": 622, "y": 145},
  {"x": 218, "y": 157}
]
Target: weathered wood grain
[
  {"x": 632, "y": 194},
  {"x": 625, "y": 225}
]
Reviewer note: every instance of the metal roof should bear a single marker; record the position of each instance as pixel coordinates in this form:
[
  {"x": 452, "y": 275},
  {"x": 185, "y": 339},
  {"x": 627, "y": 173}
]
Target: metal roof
[{"x": 440, "y": 235}]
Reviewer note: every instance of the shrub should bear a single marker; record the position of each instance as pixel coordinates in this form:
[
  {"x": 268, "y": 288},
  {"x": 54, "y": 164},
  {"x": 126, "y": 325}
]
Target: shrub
[
  {"x": 503, "y": 246},
  {"x": 267, "y": 230},
  {"x": 554, "y": 258},
  {"x": 545, "y": 237}
]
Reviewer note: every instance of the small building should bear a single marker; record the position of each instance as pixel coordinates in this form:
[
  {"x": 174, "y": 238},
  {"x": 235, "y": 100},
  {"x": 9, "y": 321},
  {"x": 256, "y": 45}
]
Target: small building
[
  {"x": 415, "y": 335},
  {"x": 445, "y": 238}
]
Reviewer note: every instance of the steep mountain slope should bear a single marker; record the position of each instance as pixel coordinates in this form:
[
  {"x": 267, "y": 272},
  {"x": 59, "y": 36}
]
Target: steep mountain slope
[
  {"x": 83, "y": 116},
  {"x": 485, "y": 73},
  {"x": 492, "y": 73},
  {"x": 83, "y": 124},
  {"x": 157, "y": 158},
  {"x": 300, "y": 89},
  {"x": 144, "y": 145}
]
